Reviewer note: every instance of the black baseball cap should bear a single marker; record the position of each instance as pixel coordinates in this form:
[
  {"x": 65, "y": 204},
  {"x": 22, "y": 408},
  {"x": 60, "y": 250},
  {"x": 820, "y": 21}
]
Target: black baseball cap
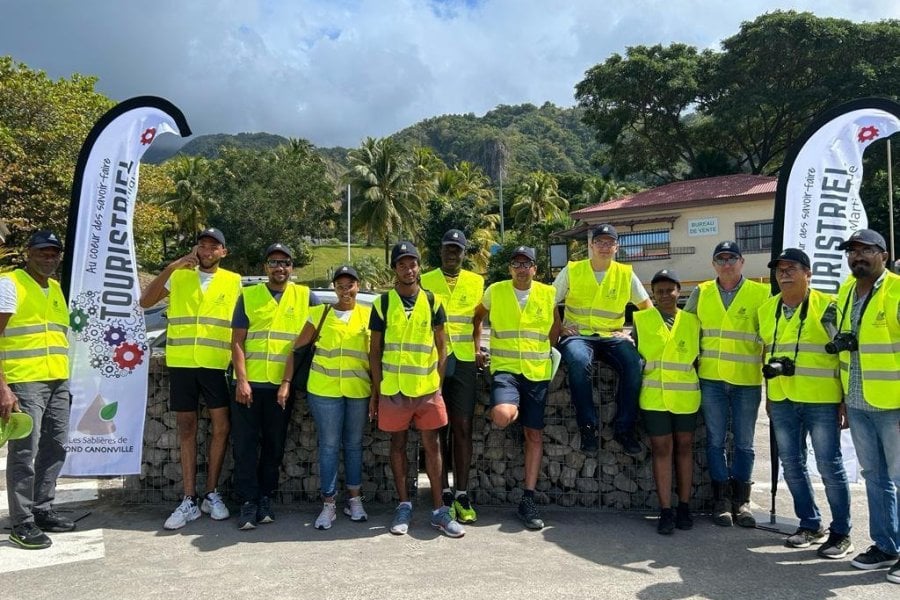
[
  {"x": 605, "y": 229},
  {"x": 212, "y": 232},
  {"x": 345, "y": 270},
  {"x": 666, "y": 275},
  {"x": 403, "y": 249},
  {"x": 792, "y": 254},
  {"x": 727, "y": 246},
  {"x": 279, "y": 247},
  {"x": 525, "y": 251},
  {"x": 454, "y": 237},
  {"x": 867, "y": 237},
  {"x": 44, "y": 238}
]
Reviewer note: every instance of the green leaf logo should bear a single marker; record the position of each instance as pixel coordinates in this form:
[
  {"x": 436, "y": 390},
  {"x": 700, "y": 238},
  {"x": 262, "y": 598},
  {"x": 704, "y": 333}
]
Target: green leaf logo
[{"x": 109, "y": 411}]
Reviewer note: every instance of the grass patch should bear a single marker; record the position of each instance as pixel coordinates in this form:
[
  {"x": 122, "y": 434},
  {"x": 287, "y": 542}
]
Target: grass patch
[{"x": 325, "y": 258}]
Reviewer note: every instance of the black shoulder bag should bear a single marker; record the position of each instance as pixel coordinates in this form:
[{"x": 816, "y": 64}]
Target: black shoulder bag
[{"x": 303, "y": 356}]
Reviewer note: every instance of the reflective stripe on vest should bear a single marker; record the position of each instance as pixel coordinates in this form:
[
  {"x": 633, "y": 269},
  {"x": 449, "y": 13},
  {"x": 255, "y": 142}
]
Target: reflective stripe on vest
[
  {"x": 273, "y": 328},
  {"x": 730, "y": 350},
  {"x": 816, "y": 375},
  {"x": 593, "y": 307},
  {"x": 460, "y": 307},
  {"x": 879, "y": 343},
  {"x": 520, "y": 337},
  {"x": 33, "y": 346},
  {"x": 409, "y": 361},
  {"x": 670, "y": 380},
  {"x": 198, "y": 330},
  {"x": 340, "y": 366}
]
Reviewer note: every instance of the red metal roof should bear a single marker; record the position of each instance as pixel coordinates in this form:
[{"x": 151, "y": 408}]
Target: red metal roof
[{"x": 694, "y": 190}]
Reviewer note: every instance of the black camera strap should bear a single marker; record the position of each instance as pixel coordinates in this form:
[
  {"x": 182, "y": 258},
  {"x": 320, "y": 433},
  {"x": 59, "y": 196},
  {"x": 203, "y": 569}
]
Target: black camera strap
[
  {"x": 862, "y": 311},
  {"x": 804, "y": 311}
]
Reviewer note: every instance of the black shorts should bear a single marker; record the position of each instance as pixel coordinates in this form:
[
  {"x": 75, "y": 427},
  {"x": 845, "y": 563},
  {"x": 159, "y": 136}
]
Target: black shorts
[
  {"x": 186, "y": 384},
  {"x": 663, "y": 422},
  {"x": 459, "y": 389}
]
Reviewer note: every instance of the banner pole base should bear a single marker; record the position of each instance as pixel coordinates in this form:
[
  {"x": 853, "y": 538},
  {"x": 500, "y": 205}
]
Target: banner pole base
[{"x": 768, "y": 521}]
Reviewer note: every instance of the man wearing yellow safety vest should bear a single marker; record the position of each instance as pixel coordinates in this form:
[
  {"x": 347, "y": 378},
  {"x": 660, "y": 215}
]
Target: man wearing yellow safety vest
[
  {"x": 459, "y": 292},
  {"x": 596, "y": 292},
  {"x": 524, "y": 326},
  {"x": 34, "y": 378},
  {"x": 804, "y": 396},
  {"x": 202, "y": 296},
  {"x": 267, "y": 319},
  {"x": 407, "y": 357},
  {"x": 668, "y": 340},
  {"x": 869, "y": 348},
  {"x": 730, "y": 378}
]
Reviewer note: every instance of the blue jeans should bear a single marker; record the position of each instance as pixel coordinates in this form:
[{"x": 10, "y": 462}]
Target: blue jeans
[
  {"x": 720, "y": 399},
  {"x": 876, "y": 436},
  {"x": 339, "y": 421},
  {"x": 622, "y": 356},
  {"x": 792, "y": 422}
]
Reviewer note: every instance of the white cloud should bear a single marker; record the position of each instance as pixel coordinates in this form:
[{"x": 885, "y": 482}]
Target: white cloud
[{"x": 337, "y": 71}]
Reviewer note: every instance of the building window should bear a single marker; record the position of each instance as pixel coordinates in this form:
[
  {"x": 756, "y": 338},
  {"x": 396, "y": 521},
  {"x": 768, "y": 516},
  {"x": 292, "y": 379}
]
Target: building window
[
  {"x": 644, "y": 245},
  {"x": 754, "y": 237}
]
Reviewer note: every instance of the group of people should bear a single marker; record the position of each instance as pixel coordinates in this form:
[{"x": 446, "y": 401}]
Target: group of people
[{"x": 412, "y": 359}]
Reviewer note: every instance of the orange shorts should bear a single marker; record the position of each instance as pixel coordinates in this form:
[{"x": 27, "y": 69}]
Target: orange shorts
[{"x": 396, "y": 412}]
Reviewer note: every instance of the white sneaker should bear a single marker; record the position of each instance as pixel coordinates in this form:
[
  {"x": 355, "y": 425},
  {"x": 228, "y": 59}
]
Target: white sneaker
[
  {"x": 355, "y": 510},
  {"x": 213, "y": 506},
  {"x": 327, "y": 516},
  {"x": 186, "y": 512}
]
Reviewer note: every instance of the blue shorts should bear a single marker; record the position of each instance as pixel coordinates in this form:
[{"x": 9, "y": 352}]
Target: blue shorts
[{"x": 529, "y": 396}]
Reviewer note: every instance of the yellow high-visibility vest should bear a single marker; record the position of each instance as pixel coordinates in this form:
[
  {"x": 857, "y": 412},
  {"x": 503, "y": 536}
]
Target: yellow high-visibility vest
[
  {"x": 597, "y": 308},
  {"x": 879, "y": 343},
  {"x": 198, "y": 333},
  {"x": 730, "y": 349},
  {"x": 459, "y": 305},
  {"x": 340, "y": 365},
  {"x": 409, "y": 363},
  {"x": 273, "y": 328},
  {"x": 520, "y": 337},
  {"x": 670, "y": 380},
  {"x": 816, "y": 375},
  {"x": 33, "y": 346}
]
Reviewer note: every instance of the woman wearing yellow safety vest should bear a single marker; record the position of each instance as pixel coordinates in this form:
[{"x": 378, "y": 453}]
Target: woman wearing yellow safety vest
[
  {"x": 338, "y": 391},
  {"x": 668, "y": 340}
]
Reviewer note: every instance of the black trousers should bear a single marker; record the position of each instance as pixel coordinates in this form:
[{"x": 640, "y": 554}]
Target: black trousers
[{"x": 258, "y": 433}]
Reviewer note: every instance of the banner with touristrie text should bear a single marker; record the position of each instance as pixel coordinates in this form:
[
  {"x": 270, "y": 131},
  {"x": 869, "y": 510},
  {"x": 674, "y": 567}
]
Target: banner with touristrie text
[{"x": 108, "y": 351}]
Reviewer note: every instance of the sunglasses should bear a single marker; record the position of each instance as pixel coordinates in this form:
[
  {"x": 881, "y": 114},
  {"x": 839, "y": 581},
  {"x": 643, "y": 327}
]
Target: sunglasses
[
  {"x": 521, "y": 264},
  {"x": 726, "y": 261},
  {"x": 864, "y": 251},
  {"x": 279, "y": 262}
]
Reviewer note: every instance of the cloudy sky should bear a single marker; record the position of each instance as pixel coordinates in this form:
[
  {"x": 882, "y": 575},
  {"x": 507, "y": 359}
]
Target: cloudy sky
[{"x": 336, "y": 71}]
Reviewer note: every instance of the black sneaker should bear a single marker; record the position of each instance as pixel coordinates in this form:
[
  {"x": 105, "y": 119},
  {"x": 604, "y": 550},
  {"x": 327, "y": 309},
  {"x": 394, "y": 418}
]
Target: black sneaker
[
  {"x": 590, "y": 441},
  {"x": 666, "y": 523},
  {"x": 683, "y": 519},
  {"x": 528, "y": 514},
  {"x": 628, "y": 442},
  {"x": 873, "y": 558},
  {"x": 264, "y": 512},
  {"x": 247, "y": 518},
  {"x": 29, "y": 537},
  {"x": 836, "y": 546},
  {"x": 50, "y": 520}
]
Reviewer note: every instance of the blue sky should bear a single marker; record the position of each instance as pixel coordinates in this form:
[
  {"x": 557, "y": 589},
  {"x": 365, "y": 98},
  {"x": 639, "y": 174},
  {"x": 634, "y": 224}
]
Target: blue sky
[{"x": 336, "y": 71}]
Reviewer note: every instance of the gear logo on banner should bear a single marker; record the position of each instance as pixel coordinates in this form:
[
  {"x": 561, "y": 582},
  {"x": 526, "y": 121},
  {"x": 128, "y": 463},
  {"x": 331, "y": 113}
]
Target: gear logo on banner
[
  {"x": 116, "y": 345},
  {"x": 867, "y": 133}
]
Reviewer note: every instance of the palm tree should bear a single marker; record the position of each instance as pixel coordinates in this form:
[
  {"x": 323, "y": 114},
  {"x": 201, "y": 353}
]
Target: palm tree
[
  {"x": 381, "y": 175},
  {"x": 595, "y": 190},
  {"x": 538, "y": 200},
  {"x": 189, "y": 201}
]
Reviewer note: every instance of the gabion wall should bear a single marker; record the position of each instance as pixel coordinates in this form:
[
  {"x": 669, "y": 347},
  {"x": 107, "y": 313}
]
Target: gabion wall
[{"x": 608, "y": 479}]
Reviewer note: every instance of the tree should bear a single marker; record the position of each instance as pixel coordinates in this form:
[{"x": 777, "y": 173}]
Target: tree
[
  {"x": 152, "y": 220},
  {"x": 381, "y": 177},
  {"x": 189, "y": 200},
  {"x": 43, "y": 123},
  {"x": 537, "y": 201}
]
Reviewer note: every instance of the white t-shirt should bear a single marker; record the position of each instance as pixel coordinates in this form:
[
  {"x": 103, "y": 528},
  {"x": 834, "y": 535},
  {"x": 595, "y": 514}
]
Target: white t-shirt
[
  {"x": 205, "y": 279},
  {"x": 521, "y": 296},
  {"x": 561, "y": 283},
  {"x": 8, "y": 297}
]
